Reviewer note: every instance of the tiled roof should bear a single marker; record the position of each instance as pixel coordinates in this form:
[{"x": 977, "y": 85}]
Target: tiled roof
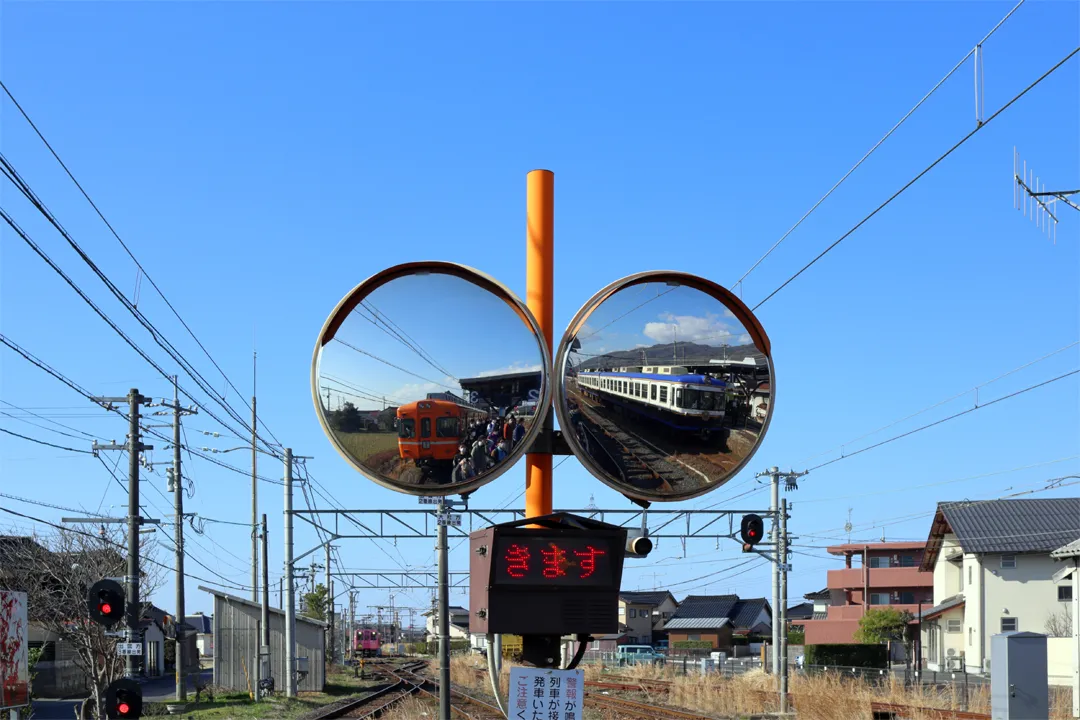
[
  {"x": 944, "y": 606},
  {"x": 800, "y": 611},
  {"x": 824, "y": 614},
  {"x": 696, "y": 623},
  {"x": 201, "y": 623},
  {"x": 1005, "y": 526},
  {"x": 742, "y": 613},
  {"x": 645, "y": 598},
  {"x": 819, "y": 595}
]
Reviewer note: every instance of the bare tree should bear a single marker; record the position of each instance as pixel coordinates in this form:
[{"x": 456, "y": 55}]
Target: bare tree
[
  {"x": 1059, "y": 624},
  {"x": 56, "y": 571}
]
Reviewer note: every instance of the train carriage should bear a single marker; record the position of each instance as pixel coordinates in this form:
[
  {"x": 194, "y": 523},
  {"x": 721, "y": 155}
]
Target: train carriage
[
  {"x": 430, "y": 431},
  {"x": 367, "y": 643},
  {"x": 668, "y": 394}
]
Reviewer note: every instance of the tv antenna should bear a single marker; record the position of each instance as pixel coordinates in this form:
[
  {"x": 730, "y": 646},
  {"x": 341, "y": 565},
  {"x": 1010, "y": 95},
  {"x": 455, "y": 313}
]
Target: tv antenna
[
  {"x": 1031, "y": 197},
  {"x": 847, "y": 526}
]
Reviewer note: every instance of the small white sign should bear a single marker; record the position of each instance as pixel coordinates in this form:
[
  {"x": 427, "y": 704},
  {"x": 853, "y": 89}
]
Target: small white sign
[
  {"x": 429, "y": 500},
  {"x": 128, "y": 648},
  {"x": 450, "y": 519},
  {"x": 542, "y": 694},
  {"x": 785, "y": 567}
]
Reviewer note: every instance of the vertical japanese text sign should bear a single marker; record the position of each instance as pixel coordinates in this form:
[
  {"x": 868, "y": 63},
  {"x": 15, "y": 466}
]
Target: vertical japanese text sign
[{"x": 542, "y": 694}]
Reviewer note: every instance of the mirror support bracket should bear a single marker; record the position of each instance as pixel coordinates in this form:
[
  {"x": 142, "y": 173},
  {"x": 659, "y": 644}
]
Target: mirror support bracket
[{"x": 550, "y": 442}]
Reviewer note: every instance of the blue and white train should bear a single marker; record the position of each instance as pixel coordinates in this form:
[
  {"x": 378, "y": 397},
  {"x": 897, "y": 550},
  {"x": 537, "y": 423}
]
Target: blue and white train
[{"x": 668, "y": 394}]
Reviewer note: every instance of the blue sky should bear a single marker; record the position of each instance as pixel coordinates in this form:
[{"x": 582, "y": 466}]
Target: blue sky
[{"x": 262, "y": 159}]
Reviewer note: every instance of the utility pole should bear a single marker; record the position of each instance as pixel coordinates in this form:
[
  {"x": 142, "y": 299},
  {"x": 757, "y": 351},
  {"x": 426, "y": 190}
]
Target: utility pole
[
  {"x": 178, "y": 509},
  {"x": 774, "y": 503},
  {"x": 290, "y": 601},
  {"x": 352, "y": 621},
  {"x": 444, "y": 616},
  {"x": 782, "y": 557},
  {"x": 265, "y": 640},
  {"x": 254, "y": 506},
  {"x": 329, "y": 606}
]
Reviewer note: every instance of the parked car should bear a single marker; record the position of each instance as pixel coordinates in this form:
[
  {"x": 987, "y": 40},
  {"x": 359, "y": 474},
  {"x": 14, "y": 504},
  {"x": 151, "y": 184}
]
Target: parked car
[{"x": 636, "y": 655}]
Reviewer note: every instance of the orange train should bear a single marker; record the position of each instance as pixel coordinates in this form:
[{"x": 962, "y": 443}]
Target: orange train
[{"x": 430, "y": 431}]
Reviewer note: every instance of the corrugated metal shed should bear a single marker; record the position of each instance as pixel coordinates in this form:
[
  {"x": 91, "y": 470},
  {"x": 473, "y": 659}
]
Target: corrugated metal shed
[{"x": 236, "y": 644}]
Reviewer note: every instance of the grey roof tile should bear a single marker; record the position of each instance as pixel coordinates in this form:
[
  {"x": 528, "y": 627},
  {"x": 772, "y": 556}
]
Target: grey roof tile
[
  {"x": 1004, "y": 526},
  {"x": 1070, "y": 550}
]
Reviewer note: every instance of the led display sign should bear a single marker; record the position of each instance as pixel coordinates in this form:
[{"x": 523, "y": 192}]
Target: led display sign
[{"x": 553, "y": 560}]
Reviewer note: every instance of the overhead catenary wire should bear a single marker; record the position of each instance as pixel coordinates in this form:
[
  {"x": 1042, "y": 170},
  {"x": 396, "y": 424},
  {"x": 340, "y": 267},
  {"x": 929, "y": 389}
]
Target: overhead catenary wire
[
  {"x": 878, "y": 144},
  {"x": 142, "y": 270},
  {"x": 915, "y": 179}
]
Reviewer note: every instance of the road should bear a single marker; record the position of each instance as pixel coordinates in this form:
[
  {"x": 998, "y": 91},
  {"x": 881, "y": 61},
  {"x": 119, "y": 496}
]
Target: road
[{"x": 159, "y": 689}]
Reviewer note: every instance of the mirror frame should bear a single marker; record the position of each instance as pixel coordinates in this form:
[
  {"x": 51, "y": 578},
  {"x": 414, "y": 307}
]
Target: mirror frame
[
  {"x": 484, "y": 281},
  {"x": 742, "y": 313}
]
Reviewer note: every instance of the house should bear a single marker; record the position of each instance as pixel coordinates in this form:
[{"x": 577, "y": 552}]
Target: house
[
  {"x": 1070, "y": 554},
  {"x": 797, "y": 613},
  {"x": 204, "y": 632},
  {"x": 236, "y": 630},
  {"x": 643, "y": 613},
  {"x": 888, "y": 575},
  {"x": 716, "y": 619},
  {"x": 993, "y": 573},
  {"x": 459, "y": 624}
]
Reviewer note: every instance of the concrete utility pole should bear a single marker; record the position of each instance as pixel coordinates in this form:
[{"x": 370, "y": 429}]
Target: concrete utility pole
[
  {"x": 265, "y": 640},
  {"x": 329, "y": 605},
  {"x": 774, "y": 506},
  {"x": 782, "y": 557},
  {"x": 178, "y": 502},
  {"x": 444, "y": 617},
  {"x": 254, "y": 506},
  {"x": 290, "y": 601}
]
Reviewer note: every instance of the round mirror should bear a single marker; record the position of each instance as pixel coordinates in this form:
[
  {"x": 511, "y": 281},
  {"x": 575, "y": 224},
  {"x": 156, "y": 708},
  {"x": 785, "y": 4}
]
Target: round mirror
[
  {"x": 428, "y": 378},
  {"x": 665, "y": 385}
]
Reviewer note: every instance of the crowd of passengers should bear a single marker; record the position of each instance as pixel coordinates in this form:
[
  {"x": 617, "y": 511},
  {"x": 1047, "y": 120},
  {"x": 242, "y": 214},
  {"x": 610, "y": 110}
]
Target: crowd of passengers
[{"x": 486, "y": 444}]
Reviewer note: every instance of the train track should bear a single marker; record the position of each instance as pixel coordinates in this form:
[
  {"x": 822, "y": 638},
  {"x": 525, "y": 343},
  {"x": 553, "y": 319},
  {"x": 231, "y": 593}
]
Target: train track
[
  {"x": 641, "y": 463},
  {"x": 891, "y": 711},
  {"x": 462, "y": 704},
  {"x": 635, "y": 709}
]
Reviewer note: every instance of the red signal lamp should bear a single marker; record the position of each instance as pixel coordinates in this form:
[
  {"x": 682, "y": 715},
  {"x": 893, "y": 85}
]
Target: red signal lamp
[
  {"x": 123, "y": 708},
  {"x": 106, "y": 609}
]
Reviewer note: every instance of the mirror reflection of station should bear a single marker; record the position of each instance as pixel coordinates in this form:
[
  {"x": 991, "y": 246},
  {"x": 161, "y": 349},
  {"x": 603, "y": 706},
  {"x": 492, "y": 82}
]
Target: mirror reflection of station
[{"x": 510, "y": 393}]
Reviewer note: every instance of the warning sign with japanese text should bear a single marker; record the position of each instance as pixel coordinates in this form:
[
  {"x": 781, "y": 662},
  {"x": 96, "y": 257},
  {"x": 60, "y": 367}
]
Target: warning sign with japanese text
[{"x": 542, "y": 694}]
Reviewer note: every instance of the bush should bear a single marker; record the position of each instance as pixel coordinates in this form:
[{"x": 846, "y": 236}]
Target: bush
[
  {"x": 692, "y": 645},
  {"x": 853, "y": 655},
  {"x": 796, "y": 637}
]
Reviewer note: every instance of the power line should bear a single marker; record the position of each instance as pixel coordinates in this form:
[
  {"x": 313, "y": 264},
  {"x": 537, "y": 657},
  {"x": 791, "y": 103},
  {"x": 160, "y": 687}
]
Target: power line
[
  {"x": 946, "y": 419},
  {"x": 142, "y": 270},
  {"x": 877, "y": 145},
  {"x": 42, "y": 442},
  {"x": 46, "y": 419},
  {"x": 911, "y": 182},
  {"x": 396, "y": 367}
]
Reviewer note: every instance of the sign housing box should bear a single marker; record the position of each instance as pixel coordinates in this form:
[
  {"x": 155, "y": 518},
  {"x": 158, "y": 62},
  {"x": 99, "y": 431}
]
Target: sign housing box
[{"x": 552, "y": 575}]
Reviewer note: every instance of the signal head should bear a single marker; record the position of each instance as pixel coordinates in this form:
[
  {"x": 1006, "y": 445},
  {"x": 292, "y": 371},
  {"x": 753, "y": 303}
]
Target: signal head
[
  {"x": 123, "y": 699},
  {"x": 752, "y": 531},
  {"x": 105, "y": 602}
]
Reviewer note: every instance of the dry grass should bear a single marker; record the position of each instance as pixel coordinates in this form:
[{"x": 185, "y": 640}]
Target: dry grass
[{"x": 816, "y": 697}]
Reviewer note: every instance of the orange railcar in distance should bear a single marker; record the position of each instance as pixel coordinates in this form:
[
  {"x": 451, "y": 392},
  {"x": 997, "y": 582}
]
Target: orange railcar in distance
[{"x": 430, "y": 431}]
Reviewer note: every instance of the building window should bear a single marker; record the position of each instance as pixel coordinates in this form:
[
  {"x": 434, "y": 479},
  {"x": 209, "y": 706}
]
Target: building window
[
  {"x": 1008, "y": 561},
  {"x": 694, "y": 637},
  {"x": 1008, "y": 624},
  {"x": 622, "y": 611},
  {"x": 879, "y": 562},
  {"x": 969, "y": 574},
  {"x": 971, "y": 636},
  {"x": 955, "y": 625},
  {"x": 907, "y": 561},
  {"x": 879, "y": 598},
  {"x": 906, "y": 598},
  {"x": 1065, "y": 593},
  {"x": 633, "y": 612}
]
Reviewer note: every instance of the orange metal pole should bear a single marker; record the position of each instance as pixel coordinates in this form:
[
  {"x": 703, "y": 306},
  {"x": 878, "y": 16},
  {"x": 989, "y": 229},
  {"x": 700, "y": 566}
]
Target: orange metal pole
[{"x": 540, "y": 297}]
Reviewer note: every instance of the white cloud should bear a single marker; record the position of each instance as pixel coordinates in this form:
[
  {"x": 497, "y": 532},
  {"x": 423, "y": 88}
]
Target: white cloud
[
  {"x": 517, "y": 367},
  {"x": 690, "y": 328},
  {"x": 744, "y": 339}
]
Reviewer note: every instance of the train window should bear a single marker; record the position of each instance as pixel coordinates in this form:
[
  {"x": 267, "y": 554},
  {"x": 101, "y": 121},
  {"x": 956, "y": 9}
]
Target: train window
[
  {"x": 678, "y": 398},
  {"x": 652, "y": 392},
  {"x": 425, "y": 427},
  {"x": 446, "y": 427},
  {"x": 663, "y": 394},
  {"x": 406, "y": 428},
  {"x": 707, "y": 400}
]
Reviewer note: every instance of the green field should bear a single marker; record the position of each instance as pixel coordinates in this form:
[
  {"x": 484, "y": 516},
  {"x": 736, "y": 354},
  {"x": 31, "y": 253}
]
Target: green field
[{"x": 365, "y": 444}]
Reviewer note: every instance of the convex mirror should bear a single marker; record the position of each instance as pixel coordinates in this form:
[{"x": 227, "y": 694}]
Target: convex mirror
[
  {"x": 664, "y": 386},
  {"x": 428, "y": 378}
]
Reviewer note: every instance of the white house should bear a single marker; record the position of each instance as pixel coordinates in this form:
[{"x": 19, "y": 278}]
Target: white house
[
  {"x": 459, "y": 623},
  {"x": 644, "y": 614},
  {"x": 1070, "y": 554},
  {"x": 992, "y": 574}
]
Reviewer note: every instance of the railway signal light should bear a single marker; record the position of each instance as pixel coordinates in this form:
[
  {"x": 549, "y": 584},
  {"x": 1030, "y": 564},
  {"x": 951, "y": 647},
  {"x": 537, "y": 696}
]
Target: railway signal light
[
  {"x": 105, "y": 601},
  {"x": 123, "y": 699},
  {"x": 752, "y": 531}
]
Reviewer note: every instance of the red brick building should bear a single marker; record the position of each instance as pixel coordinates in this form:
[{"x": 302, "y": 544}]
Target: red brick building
[{"x": 886, "y": 575}]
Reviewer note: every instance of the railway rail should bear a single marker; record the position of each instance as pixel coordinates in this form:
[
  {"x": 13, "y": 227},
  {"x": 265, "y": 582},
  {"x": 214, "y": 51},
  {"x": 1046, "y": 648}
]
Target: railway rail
[
  {"x": 635, "y": 709},
  {"x": 892, "y": 711}
]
